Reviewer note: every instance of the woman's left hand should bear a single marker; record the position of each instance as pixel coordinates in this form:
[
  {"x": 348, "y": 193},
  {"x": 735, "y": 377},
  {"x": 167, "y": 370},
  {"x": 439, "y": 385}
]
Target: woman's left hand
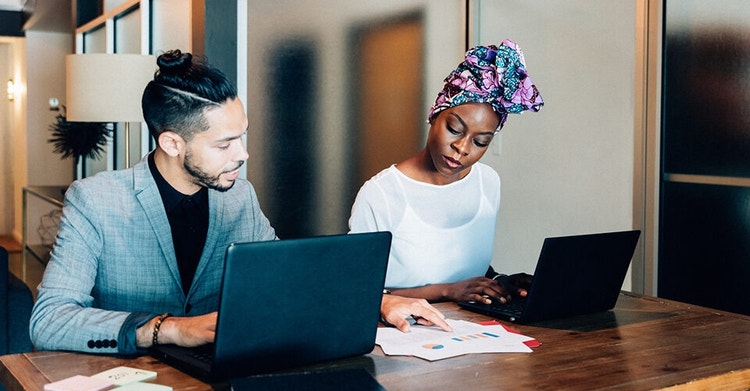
[{"x": 481, "y": 289}]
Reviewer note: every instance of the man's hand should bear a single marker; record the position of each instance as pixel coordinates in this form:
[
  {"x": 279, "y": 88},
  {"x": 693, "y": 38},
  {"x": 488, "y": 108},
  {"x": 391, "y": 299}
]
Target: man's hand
[
  {"x": 182, "y": 331},
  {"x": 395, "y": 309}
]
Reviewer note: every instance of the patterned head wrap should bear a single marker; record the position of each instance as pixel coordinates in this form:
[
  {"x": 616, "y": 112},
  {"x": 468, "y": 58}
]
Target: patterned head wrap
[{"x": 494, "y": 75}]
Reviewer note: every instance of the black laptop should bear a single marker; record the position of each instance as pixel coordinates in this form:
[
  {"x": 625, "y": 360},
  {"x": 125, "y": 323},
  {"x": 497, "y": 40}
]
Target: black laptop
[
  {"x": 290, "y": 303},
  {"x": 575, "y": 275}
]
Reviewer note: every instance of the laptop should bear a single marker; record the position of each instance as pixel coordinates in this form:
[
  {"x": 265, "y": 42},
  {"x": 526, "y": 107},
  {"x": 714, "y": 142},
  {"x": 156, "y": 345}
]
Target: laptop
[
  {"x": 575, "y": 275},
  {"x": 344, "y": 379},
  {"x": 290, "y": 303}
]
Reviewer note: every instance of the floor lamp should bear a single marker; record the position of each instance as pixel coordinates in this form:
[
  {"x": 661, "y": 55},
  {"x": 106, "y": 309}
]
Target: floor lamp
[{"x": 107, "y": 88}]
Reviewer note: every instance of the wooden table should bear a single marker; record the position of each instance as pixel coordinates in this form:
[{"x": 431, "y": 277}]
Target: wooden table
[{"x": 644, "y": 343}]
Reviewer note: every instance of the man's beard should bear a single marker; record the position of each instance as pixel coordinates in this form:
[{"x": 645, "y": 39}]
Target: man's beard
[{"x": 204, "y": 179}]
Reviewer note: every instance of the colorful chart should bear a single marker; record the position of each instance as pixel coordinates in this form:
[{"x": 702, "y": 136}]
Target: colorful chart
[
  {"x": 475, "y": 336},
  {"x": 433, "y": 346}
]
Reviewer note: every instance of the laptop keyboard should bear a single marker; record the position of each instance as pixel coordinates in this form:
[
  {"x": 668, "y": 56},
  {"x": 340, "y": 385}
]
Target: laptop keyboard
[
  {"x": 514, "y": 308},
  {"x": 203, "y": 353}
]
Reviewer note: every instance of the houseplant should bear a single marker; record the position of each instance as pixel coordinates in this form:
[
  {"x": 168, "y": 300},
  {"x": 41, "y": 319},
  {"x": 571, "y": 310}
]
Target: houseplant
[{"x": 78, "y": 139}]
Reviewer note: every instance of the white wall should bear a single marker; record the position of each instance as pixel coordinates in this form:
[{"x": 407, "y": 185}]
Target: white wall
[
  {"x": 567, "y": 169},
  {"x": 172, "y": 26},
  {"x": 18, "y": 137},
  {"x": 12, "y": 132},
  {"x": 39, "y": 64},
  {"x": 328, "y": 23},
  {"x": 6, "y": 133},
  {"x": 45, "y": 67}
]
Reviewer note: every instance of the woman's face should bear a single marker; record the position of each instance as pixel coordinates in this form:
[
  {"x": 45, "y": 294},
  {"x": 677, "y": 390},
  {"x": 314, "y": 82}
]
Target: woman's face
[{"x": 459, "y": 137}]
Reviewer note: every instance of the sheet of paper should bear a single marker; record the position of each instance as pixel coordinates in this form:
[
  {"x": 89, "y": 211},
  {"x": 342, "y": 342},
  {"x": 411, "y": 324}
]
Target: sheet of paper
[
  {"x": 432, "y": 343},
  {"x": 138, "y": 386},
  {"x": 79, "y": 383},
  {"x": 124, "y": 375}
]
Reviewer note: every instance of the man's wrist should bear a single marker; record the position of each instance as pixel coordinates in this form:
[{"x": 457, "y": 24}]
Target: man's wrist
[{"x": 157, "y": 327}]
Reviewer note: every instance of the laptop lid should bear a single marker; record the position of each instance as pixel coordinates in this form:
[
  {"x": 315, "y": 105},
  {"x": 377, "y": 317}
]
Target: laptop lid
[
  {"x": 293, "y": 302},
  {"x": 575, "y": 275}
]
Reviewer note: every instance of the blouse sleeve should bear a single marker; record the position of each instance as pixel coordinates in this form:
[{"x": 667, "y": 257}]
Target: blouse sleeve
[{"x": 370, "y": 210}]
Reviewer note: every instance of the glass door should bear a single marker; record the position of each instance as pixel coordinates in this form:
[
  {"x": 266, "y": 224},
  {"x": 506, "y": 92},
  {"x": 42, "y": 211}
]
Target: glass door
[{"x": 704, "y": 244}]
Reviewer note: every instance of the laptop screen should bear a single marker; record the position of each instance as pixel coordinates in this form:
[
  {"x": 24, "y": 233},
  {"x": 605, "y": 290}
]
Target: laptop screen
[{"x": 292, "y": 302}]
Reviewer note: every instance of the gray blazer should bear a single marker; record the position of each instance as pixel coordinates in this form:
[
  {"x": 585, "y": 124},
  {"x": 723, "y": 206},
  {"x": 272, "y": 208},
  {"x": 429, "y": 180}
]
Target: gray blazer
[{"x": 113, "y": 265}]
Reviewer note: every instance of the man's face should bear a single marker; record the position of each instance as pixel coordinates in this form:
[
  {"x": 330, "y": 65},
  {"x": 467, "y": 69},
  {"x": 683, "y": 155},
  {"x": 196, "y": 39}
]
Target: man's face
[{"x": 213, "y": 158}]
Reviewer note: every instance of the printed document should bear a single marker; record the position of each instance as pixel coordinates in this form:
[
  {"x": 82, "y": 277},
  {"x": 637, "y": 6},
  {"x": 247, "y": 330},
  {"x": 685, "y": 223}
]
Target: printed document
[{"x": 432, "y": 343}]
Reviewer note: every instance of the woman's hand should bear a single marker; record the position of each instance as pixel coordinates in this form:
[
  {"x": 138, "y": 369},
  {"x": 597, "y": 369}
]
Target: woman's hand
[
  {"x": 518, "y": 284},
  {"x": 480, "y": 289}
]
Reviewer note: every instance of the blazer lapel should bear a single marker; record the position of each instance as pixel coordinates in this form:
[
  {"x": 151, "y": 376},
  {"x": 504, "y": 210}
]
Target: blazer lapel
[
  {"x": 215, "y": 210},
  {"x": 150, "y": 200}
]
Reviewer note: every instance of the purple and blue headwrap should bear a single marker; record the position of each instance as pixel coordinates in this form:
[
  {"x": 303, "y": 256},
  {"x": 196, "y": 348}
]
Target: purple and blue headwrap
[{"x": 494, "y": 75}]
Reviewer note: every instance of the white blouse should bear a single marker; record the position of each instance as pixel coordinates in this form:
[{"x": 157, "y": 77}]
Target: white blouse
[{"x": 441, "y": 233}]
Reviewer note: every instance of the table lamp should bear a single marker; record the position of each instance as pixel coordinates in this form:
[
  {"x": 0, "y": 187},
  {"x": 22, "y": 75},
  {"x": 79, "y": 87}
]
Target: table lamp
[{"x": 107, "y": 88}]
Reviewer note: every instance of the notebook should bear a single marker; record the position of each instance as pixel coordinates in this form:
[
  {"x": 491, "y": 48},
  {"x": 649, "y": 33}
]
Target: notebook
[
  {"x": 289, "y": 303},
  {"x": 575, "y": 275}
]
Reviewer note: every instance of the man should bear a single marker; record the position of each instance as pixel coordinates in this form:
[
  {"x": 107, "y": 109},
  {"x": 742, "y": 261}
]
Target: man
[{"x": 139, "y": 253}]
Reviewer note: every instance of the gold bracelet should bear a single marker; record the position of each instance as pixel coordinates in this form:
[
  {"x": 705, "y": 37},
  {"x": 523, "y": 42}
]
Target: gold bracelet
[{"x": 157, "y": 326}]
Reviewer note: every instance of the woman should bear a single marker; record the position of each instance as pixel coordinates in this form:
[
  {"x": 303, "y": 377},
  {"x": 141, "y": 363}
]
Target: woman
[{"x": 441, "y": 204}]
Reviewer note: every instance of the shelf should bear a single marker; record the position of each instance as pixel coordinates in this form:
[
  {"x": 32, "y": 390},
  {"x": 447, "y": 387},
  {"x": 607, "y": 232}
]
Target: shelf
[
  {"x": 40, "y": 251},
  {"x": 42, "y": 207},
  {"x": 52, "y": 194}
]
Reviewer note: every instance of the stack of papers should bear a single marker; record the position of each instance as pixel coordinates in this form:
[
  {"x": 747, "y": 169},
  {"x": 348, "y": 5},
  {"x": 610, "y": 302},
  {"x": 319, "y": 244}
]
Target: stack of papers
[
  {"x": 120, "y": 378},
  {"x": 432, "y": 343}
]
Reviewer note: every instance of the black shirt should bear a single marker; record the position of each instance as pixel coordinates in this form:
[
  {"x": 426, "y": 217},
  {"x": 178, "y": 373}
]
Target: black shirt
[{"x": 188, "y": 218}]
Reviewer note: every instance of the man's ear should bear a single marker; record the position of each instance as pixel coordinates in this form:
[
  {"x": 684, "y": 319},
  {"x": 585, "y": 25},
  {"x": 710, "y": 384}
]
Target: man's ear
[{"x": 171, "y": 143}]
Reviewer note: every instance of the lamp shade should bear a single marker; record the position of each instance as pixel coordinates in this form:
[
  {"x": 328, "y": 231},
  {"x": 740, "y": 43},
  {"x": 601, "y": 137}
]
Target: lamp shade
[{"x": 107, "y": 87}]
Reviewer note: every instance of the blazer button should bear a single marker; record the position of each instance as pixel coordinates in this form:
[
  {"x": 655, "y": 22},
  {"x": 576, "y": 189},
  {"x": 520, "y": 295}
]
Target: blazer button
[
  {"x": 98, "y": 344},
  {"x": 113, "y": 343},
  {"x": 91, "y": 344}
]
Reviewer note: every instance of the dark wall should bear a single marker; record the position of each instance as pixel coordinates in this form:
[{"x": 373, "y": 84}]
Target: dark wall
[
  {"x": 221, "y": 35},
  {"x": 11, "y": 23},
  {"x": 704, "y": 225}
]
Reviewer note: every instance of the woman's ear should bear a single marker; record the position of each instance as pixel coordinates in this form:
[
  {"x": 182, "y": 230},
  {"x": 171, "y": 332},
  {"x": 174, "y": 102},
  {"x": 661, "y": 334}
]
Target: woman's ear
[{"x": 171, "y": 143}]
